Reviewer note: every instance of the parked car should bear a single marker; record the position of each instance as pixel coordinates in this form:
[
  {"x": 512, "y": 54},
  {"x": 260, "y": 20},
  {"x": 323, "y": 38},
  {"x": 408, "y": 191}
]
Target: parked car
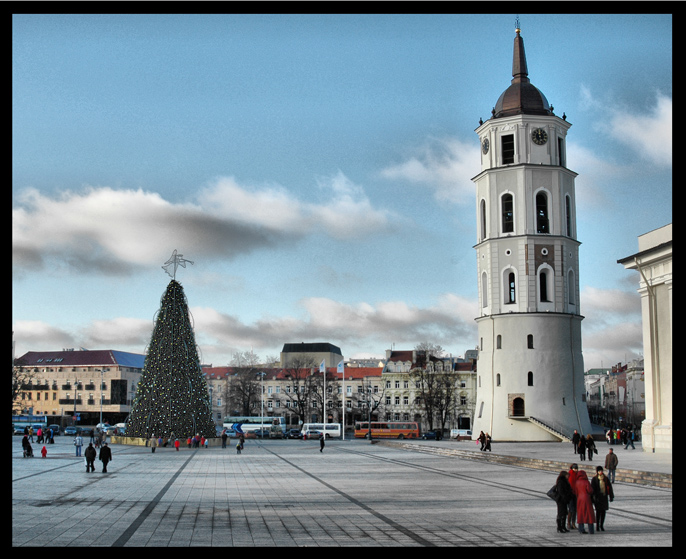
[
  {"x": 87, "y": 431},
  {"x": 435, "y": 435},
  {"x": 312, "y": 434},
  {"x": 461, "y": 434},
  {"x": 261, "y": 433},
  {"x": 294, "y": 434},
  {"x": 71, "y": 431}
]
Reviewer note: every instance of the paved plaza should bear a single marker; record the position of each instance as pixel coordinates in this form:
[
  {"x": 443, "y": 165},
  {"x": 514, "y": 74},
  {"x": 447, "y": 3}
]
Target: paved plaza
[{"x": 287, "y": 493}]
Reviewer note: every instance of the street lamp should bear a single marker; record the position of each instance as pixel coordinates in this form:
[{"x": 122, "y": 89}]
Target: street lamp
[
  {"x": 262, "y": 374},
  {"x": 101, "y": 381}
]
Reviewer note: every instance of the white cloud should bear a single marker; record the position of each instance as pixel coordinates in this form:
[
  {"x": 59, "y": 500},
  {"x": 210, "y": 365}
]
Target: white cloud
[
  {"x": 449, "y": 322},
  {"x": 444, "y": 166},
  {"x": 40, "y": 336},
  {"x": 106, "y": 230},
  {"x": 612, "y": 327},
  {"x": 650, "y": 134}
]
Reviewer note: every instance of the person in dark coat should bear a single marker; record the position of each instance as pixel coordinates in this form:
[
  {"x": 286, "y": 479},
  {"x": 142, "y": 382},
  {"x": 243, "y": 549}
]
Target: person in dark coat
[
  {"x": 321, "y": 443},
  {"x": 105, "y": 456},
  {"x": 564, "y": 492},
  {"x": 90, "y": 455},
  {"x": 581, "y": 449},
  {"x": 602, "y": 496},
  {"x": 26, "y": 446},
  {"x": 575, "y": 440},
  {"x": 584, "y": 503},
  {"x": 590, "y": 446}
]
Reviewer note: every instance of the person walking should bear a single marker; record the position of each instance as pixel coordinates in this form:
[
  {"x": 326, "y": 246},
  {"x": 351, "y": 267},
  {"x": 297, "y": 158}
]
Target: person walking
[
  {"x": 630, "y": 440},
  {"x": 176, "y": 444},
  {"x": 488, "y": 443},
  {"x": 584, "y": 503},
  {"x": 602, "y": 493},
  {"x": 590, "y": 446},
  {"x": 153, "y": 443},
  {"x": 224, "y": 437},
  {"x": 575, "y": 440},
  {"x": 90, "y": 455},
  {"x": 78, "y": 443},
  {"x": 564, "y": 495},
  {"x": 581, "y": 449},
  {"x": 26, "y": 446},
  {"x": 482, "y": 440},
  {"x": 611, "y": 461},
  {"x": 321, "y": 442},
  {"x": 105, "y": 457}
]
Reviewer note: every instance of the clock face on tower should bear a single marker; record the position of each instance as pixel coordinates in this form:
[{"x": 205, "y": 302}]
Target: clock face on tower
[
  {"x": 539, "y": 136},
  {"x": 484, "y": 146}
]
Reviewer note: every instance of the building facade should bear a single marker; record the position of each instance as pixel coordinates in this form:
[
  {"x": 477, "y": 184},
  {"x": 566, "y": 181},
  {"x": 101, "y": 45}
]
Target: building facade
[
  {"x": 84, "y": 384},
  {"x": 530, "y": 380},
  {"x": 654, "y": 264},
  {"x": 402, "y": 397}
]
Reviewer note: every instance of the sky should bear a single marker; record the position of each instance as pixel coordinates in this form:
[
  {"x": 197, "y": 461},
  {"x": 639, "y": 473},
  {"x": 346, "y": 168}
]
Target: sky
[{"x": 316, "y": 170}]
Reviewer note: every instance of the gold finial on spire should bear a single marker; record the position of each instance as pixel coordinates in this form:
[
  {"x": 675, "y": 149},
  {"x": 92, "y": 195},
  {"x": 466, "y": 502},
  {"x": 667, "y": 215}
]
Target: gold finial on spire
[{"x": 517, "y": 27}]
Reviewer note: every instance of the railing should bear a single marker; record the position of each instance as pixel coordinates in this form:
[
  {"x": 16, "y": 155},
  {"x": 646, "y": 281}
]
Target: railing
[{"x": 554, "y": 427}]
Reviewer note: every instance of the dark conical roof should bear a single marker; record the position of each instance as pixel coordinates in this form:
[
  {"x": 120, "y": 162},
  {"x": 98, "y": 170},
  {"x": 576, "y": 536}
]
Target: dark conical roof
[{"x": 522, "y": 97}]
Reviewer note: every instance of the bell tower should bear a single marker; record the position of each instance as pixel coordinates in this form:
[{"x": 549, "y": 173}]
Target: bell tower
[{"x": 530, "y": 384}]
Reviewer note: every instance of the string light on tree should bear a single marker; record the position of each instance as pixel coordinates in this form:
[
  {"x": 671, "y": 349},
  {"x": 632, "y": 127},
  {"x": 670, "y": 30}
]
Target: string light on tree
[{"x": 172, "y": 397}]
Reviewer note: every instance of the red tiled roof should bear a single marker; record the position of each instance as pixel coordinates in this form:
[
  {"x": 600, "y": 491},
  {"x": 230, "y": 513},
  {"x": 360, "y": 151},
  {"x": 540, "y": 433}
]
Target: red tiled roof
[{"x": 282, "y": 374}]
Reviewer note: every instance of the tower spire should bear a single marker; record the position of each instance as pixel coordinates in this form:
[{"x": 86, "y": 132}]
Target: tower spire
[{"x": 519, "y": 70}]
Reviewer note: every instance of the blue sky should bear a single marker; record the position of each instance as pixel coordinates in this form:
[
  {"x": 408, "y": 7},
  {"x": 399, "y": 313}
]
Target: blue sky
[{"x": 317, "y": 171}]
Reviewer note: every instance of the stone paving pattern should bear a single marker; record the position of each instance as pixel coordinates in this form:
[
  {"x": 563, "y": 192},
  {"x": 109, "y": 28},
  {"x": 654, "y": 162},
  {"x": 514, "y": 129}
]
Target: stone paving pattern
[{"x": 289, "y": 494}]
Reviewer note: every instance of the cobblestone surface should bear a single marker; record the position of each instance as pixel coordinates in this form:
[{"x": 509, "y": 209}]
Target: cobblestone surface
[{"x": 288, "y": 494}]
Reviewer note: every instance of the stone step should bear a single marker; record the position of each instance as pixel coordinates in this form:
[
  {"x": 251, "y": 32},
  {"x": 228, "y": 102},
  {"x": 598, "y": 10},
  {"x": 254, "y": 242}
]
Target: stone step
[{"x": 654, "y": 479}]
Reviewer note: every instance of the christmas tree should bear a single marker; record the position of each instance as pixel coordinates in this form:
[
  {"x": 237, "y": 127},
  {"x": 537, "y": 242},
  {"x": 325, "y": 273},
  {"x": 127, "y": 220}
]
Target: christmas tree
[{"x": 172, "y": 397}]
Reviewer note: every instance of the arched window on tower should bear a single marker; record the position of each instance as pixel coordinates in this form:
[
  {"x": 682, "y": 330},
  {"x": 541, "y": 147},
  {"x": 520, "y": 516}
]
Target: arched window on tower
[
  {"x": 484, "y": 290},
  {"x": 542, "y": 222},
  {"x": 507, "y": 204},
  {"x": 571, "y": 287},
  {"x": 483, "y": 219},
  {"x": 511, "y": 287},
  {"x": 530, "y": 378},
  {"x": 543, "y": 286}
]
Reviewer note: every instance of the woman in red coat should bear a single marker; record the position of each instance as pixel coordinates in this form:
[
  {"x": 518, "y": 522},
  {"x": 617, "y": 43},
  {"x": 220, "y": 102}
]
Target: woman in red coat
[{"x": 584, "y": 503}]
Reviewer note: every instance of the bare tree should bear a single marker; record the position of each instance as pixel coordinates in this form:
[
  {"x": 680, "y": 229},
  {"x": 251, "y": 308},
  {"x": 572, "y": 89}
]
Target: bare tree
[
  {"x": 243, "y": 391},
  {"x": 301, "y": 388},
  {"x": 22, "y": 378},
  {"x": 436, "y": 384}
]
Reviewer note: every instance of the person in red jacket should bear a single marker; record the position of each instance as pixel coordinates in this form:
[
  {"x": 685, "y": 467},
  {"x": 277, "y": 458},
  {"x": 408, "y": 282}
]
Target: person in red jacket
[
  {"x": 571, "y": 506},
  {"x": 584, "y": 503}
]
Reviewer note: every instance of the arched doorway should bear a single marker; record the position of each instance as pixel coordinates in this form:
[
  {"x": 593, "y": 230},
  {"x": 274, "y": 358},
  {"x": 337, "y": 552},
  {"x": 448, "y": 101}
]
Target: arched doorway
[{"x": 518, "y": 407}]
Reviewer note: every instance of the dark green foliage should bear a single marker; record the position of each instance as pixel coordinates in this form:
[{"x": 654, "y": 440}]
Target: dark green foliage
[{"x": 172, "y": 397}]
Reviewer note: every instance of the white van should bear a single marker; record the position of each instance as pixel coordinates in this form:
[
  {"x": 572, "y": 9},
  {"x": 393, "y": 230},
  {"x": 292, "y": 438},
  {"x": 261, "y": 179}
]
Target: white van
[{"x": 330, "y": 430}]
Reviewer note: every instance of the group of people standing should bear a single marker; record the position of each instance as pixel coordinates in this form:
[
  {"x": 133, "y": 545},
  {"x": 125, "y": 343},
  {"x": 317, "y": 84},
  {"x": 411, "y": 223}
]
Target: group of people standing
[
  {"x": 621, "y": 436},
  {"x": 580, "y": 501}
]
